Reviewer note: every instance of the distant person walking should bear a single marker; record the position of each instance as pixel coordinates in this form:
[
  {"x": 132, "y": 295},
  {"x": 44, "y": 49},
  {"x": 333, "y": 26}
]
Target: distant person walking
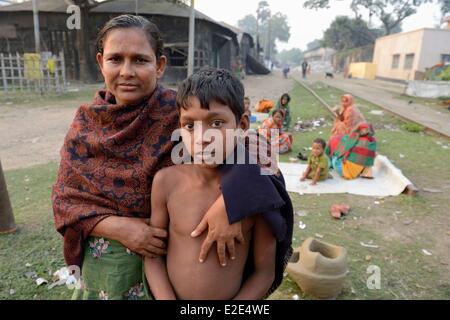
[
  {"x": 305, "y": 66},
  {"x": 286, "y": 71}
]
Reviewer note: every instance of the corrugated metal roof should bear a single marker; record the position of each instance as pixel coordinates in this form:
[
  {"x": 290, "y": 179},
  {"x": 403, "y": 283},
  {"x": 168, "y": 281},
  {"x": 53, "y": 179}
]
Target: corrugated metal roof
[
  {"x": 156, "y": 7},
  {"x": 43, "y": 5},
  {"x": 150, "y": 7}
]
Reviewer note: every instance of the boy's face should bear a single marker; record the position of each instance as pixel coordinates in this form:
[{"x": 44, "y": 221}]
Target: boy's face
[
  {"x": 317, "y": 149},
  {"x": 205, "y": 131}
]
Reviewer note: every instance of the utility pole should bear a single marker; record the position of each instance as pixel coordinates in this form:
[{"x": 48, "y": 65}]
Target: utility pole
[
  {"x": 37, "y": 42},
  {"x": 136, "y": 7},
  {"x": 270, "y": 39},
  {"x": 7, "y": 224},
  {"x": 191, "y": 40},
  {"x": 257, "y": 35}
]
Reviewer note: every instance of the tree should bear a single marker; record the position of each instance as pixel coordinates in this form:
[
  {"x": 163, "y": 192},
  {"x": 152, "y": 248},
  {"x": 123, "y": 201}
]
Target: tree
[
  {"x": 7, "y": 224},
  {"x": 266, "y": 28},
  {"x": 445, "y": 7},
  {"x": 345, "y": 33},
  {"x": 315, "y": 44},
  {"x": 275, "y": 28},
  {"x": 262, "y": 12},
  {"x": 292, "y": 57},
  {"x": 248, "y": 24},
  {"x": 390, "y": 12},
  {"x": 280, "y": 29}
]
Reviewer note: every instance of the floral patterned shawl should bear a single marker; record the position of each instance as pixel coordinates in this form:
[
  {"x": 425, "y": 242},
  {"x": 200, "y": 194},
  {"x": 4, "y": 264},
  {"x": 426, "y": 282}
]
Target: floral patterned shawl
[{"x": 108, "y": 160}]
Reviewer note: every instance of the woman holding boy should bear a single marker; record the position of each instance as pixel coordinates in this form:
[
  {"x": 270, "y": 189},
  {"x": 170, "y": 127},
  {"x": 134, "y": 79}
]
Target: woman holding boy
[{"x": 114, "y": 147}]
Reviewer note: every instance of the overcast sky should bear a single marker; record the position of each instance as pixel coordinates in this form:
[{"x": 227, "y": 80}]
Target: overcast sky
[{"x": 306, "y": 25}]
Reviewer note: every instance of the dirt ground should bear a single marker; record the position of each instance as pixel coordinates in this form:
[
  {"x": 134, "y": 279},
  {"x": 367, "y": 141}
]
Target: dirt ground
[{"x": 34, "y": 135}]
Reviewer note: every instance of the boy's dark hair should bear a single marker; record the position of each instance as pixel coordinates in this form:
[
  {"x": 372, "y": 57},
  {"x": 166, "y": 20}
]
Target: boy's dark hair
[
  {"x": 287, "y": 96},
  {"x": 130, "y": 21},
  {"x": 209, "y": 85},
  {"x": 246, "y": 98},
  {"x": 321, "y": 142}
]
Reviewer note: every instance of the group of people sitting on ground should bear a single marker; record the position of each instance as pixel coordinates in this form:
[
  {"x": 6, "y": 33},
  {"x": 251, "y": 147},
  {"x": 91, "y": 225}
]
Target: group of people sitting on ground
[
  {"x": 351, "y": 149},
  {"x": 279, "y": 123}
]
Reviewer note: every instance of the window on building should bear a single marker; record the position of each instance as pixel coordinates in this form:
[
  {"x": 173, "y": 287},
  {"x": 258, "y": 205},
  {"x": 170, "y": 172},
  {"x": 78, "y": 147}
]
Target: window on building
[
  {"x": 409, "y": 60},
  {"x": 395, "y": 61},
  {"x": 176, "y": 56},
  {"x": 445, "y": 58},
  {"x": 201, "y": 58}
]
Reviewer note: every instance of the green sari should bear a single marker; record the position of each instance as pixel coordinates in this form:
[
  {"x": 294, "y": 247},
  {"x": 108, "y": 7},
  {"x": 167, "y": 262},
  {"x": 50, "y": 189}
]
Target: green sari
[
  {"x": 287, "y": 118},
  {"x": 111, "y": 272}
]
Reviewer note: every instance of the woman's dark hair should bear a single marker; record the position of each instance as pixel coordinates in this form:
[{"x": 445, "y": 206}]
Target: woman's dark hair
[
  {"x": 277, "y": 111},
  {"x": 285, "y": 95},
  {"x": 209, "y": 85},
  {"x": 321, "y": 142},
  {"x": 130, "y": 21}
]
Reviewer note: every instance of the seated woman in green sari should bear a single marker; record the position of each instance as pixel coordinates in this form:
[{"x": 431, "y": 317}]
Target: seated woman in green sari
[
  {"x": 114, "y": 147},
  {"x": 283, "y": 105}
]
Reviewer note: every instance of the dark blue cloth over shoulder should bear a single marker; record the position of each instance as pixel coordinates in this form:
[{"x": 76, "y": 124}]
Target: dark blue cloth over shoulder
[{"x": 247, "y": 192}]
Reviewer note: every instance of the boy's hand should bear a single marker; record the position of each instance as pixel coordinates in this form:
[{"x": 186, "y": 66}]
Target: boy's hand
[
  {"x": 303, "y": 178},
  {"x": 219, "y": 229}
]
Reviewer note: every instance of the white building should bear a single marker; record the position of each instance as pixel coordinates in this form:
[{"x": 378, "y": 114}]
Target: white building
[{"x": 406, "y": 56}]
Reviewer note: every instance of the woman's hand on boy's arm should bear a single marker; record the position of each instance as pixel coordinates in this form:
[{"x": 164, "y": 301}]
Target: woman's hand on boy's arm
[
  {"x": 134, "y": 233},
  {"x": 219, "y": 229},
  {"x": 264, "y": 256},
  {"x": 148, "y": 239}
]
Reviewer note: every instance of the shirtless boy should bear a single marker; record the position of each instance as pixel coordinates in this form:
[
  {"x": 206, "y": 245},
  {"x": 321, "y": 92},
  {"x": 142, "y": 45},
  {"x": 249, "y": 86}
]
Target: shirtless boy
[{"x": 182, "y": 194}]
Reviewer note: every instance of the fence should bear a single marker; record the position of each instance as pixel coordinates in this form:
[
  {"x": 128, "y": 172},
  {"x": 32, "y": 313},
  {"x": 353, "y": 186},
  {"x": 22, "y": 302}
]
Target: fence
[{"x": 31, "y": 72}]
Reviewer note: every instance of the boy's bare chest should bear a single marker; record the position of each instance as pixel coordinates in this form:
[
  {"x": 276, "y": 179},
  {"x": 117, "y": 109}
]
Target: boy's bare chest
[{"x": 188, "y": 205}]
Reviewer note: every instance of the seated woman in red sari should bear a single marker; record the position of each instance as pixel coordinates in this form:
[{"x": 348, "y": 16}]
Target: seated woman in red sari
[
  {"x": 353, "y": 154},
  {"x": 273, "y": 128},
  {"x": 347, "y": 116}
]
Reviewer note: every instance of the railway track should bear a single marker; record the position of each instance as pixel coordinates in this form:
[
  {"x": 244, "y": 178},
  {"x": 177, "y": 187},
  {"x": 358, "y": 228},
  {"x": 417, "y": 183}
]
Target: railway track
[{"x": 401, "y": 116}]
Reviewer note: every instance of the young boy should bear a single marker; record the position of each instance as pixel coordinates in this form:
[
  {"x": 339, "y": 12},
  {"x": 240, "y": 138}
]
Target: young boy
[
  {"x": 317, "y": 163},
  {"x": 181, "y": 195}
]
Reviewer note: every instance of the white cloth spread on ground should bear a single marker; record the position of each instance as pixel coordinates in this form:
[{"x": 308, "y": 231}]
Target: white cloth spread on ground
[{"x": 388, "y": 180}]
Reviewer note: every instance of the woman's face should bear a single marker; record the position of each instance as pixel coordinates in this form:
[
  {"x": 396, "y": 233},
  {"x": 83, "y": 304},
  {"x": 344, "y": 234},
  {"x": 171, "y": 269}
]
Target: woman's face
[
  {"x": 278, "y": 119},
  {"x": 284, "y": 101},
  {"x": 129, "y": 65},
  {"x": 346, "y": 101}
]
